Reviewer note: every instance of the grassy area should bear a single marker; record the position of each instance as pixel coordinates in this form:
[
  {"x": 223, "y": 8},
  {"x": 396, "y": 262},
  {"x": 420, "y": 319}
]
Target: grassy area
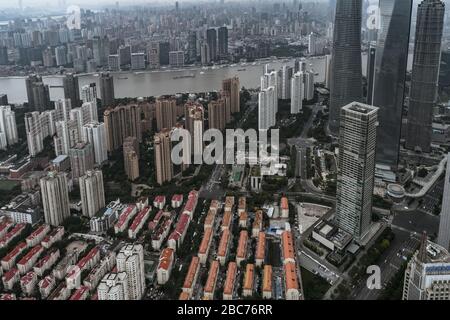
[{"x": 314, "y": 287}]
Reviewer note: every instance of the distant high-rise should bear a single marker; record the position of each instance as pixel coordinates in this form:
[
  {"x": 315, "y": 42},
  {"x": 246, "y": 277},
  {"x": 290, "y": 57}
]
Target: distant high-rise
[
  {"x": 427, "y": 276},
  {"x": 89, "y": 93},
  {"x": 444, "y": 221},
  {"x": 267, "y": 108},
  {"x": 166, "y": 113},
  {"x": 35, "y": 136},
  {"x": 216, "y": 114},
  {"x": 62, "y": 109},
  {"x": 107, "y": 90},
  {"x": 286, "y": 75},
  {"x": 296, "y": 93},
  {"x": 232, "y": 87},
  {"x": 4, "y": 56},
  {"x": 356, "y": 170},
  {"x": 425, "y": 74},
  {"x": 164, "y": 48},
  {"x": 211, "y": 40},
  {"x": 71, "y": 89},
  {"x": 95, "y": 133},
  {"x": 100, "y": 48},
  {"x": 223, "y": 41},
  {"x": 346, "y": 68},
  {"x": 390, "y": 72},
  {"x": 130, "y": 260},
  {"x": 8, "y": 126},
  {"x": 38, "y": 93},
  {"x": 55, "y": 198},
  {"x": 163, "y": 161},
  {"x": 81, "y": 159},
  {"x": 67, "y": 136},
  {"x": 92, "y": 192},
  {"x": 192, "y": 46}
]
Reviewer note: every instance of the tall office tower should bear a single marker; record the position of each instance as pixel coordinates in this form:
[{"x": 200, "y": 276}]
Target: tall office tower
[
  {"x": 166, "y": 113},
  {"x": 312, "y": 44},
  {"x": 138, "y": 61},
  {"x": 131, "y": 158},
  {"x": 130, "y": 260},
  {"x": 163, "y": 161},
  {"x": 205, "y": 53},
  {"x": 100, "y": 49},
  {"x": 81, "y": 159},
  {"x": 391, "y": 59},
  {"x": 297, "y": 93},
  {"x": 232, "y": 88},
  {"x": 444, "y": 221},
  {"x": 38, "y": 93},
  {"x": 95, "y": 133},
  {"x": 164, "y": 48},
  {"x": 346, "y": 68},
  {"x": 286, "y": 75},
  {"x": 33, "y": 128},
  {"x": 124, "y": 55},
  {"x": 92, "y": 192},
  {"x": 8, "y": 125},
  {"x": 356, "y": 171},
  {"x": 113, "y": 62},
  {"x": 192, "y": 46},
  {"x": 113, "y": 286},
  {"x": 153, "y": 55},
  {"x": 266, "y": 108},
  {"x": 216, "y": 114},
  {"x": 55, "y": 198},
  {"x": 223, "y": 41},
  {"x": 427, "y": 276},
  {"x": 89, "y": 93},
  {"x": 211, "y": 40},
  {"x": 425, "y": 74},
  {"x": 67, "y": 136},
  {"x": 370, "y": 77},
  {"x": 107, "y": 90},
  {"x": 71, "y": 89}
]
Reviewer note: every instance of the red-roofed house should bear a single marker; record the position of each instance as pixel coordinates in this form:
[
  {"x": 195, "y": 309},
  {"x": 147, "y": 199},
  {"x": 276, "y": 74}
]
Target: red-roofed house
[
  {"x": 176, "y": 238},
  {"x": 9, "y": 260},
  {"x": 165, "y": 265},
  {"x": 177, "y": 201},
  {"x": 10, "y": 278},
  {"x": 80, "y": 294},
  {"x": 28, "y": 282},
  {"x": 138, "y": 223},
  {"x": 159, "y": 202},
  {"x": 125, "y": 216},
  {"x": 37, "y": 235},
  {"x": 28, "y": 261}
]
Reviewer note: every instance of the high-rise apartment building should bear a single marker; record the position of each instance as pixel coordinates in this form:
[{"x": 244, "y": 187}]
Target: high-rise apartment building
[
  {"x": 286, "y": 75},
  {"x": 37, "y": 93},
  {"x": 163, "y": 161},
  {"x": 121, "y": 122},
  {"x": 131, "y": 157},
  {"x": 267, "y": 108},
  {"x": 71, "y": 89},
  {"x": 130, "y": 260},
  {"x": 425, "y": 74},
  {"x": 81, "y": 159},
  {"x": 356, "y": 169},
  {"x": 113, "y": 286},
  {"x": 427, "y": 276},
  {"x": 297, "y": 91},
  {"x": 346, "y": 68},
  {"x": 391, "y": 59},
  {"x": 211, "y": 40},
  {"x": 107, "y": 90},
  {"x": 35, "y": 137},
  {"x": 95, "y": 133},
  {"x": 232, "y": 89},
  {"x": 166, "y": 113},
  {"x": 62, "y": 109},
  {"x": 217, "y": 114},
  {"x": 92, "y": 192},
  {"x": 223, "y": 41},
  {"x": 8, "y": 127},
  {"x": 89, "y": 93},
  {"x": 67, "y": 136},
  {"x": 55, "y": 198}
]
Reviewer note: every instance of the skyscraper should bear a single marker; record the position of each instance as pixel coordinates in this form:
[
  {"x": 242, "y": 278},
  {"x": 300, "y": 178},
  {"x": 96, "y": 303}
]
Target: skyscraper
[
  {"x": 444, "y": 221},
  {"x": 425, "y": 73},
  {"x": 232, "y": 88},
  {"x": 8, "y": 126},
  {"x": 267, "y": 108},
  {"x": 92, "y": 192},
  {"x": 55, "y": 198},
  {"x": 391, "y": 59},
  {"x": 356, "y": 170},
  {"x": 223, "y": 42},
  {"x": 427, "y": 276},
  {"x": 296, "y": 93},
  {"x": 346, "y": 68},
  {"x": 166, "y": 113},
  {"x": 130, "y": 260},
  {"x": 286, "y": 75},
  {"x": 95, "y": 133},
  {"x": 216, "y": 114},
  {"x": 107, "y": 89},
  {"x": 33, "y": 129},
  {"x": 89, "y": 93},
  {"x": 71, "y": 89},
  {"x": 211, "y": 40},
  {"x": 81, "y": 159},
  {"x": 37, "y": 93},
  {"x": 370, "y": 77},
  {"x": 113, "y": 286},
  {"x": 67, "y": 135},
  {"x": 131, "y": 158},
  {"x": 163, "y": 161}
]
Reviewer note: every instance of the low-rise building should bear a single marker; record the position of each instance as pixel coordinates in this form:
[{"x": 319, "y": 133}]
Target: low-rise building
[
  {"x": 267, "y": 282},
  {"x": 10, "y": 278},
  {"x": 287, "y": 246},
  {"x": 177, "y": 201},
  {"x": 37, "y": 235},
  {"x": 247, "y": 289},
  {"x": 28, "y": 282},
  {"x": 81, "y": 293},
  {"x": 230, "y": 280},
  {"x": 242, "y": 204},
  {"x": 125, "y": 216},
  {"x": 224, "y": 244},
  {"x": 243, "y": 216},
  {"x": 191, "y": 276},
  {"x": 46, "y": 285},
  {"x": 284, "y": 207},
  {"x": 260, "y": 249},
  {"x": 292, "y": 291},
  {"x": 161, "y": 233},
  {"x": 257, "y": 223},
  {"x": 210, "y": 286},
  {"x": 100, "y": 270},
  {"x": 205, "y": 245},
  {"x": 176, "y": 238},
  {"x": 210, "y": 219},
  {"x": 73, "y": 277},
  {"x": 46, "y": 262},
  {"x": 138, "y": 223},
  {"x": 159, "y": 202},
  {"x": 15, "y": 232},
  {"x": 226, "y": 220},
  {"x": 56, "y": 235},
  {"x": 27, "y": 262},
  {"x": 241, "y": 254},
  {"x": 165, "y": 265},
  {"x": 9, "y": 260},
  {"x": 229, "y": 203}
]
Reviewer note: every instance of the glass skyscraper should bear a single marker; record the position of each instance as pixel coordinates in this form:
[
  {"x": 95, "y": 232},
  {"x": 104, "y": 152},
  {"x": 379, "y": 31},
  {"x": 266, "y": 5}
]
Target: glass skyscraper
[
  {"x": 346, "y": 66},
  {"x": 425, "y": 73},
  {"x": 390, "y": 72}
]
